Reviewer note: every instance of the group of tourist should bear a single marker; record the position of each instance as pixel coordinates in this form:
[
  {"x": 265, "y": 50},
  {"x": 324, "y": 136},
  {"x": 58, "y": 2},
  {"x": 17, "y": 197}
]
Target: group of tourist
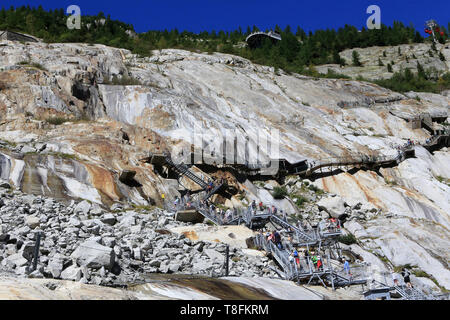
[
  {"x": 316, "y": 261},
  {"x": 185, "y": 201},
  {"x": 330, "y": 225},
  {"x": 211, "y": 185},
  {"x": 309, "y": 261},
  {"x": 410, "y": 142},
  {"x": 266, "y": 210},
  {"x": 275, "y": 237}
]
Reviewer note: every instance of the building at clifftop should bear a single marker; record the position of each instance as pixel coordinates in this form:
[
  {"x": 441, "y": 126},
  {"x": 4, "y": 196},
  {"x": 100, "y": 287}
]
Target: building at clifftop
[{"x": 15, "y": 36}]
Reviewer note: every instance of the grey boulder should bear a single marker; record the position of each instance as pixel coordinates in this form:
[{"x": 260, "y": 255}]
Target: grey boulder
[{"x": 94, "y": 255}]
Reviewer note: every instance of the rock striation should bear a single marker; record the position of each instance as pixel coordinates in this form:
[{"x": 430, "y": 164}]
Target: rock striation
[{"x": 66, "y": 133}]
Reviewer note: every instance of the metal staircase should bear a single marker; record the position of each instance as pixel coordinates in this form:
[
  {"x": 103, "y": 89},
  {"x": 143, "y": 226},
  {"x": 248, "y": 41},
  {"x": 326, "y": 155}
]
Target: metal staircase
[
  {"x": 411, "y": 293},
  {"x": 213, "y": 191},
  {"x": 289, "y": 271},
  {"x": 209, "y": 215},
  {"x": 300, "y": 235},
  {"x": 427, "y": 122},
  {"x": 183, "y": 169},
  {"x": 305, "y": 270}
]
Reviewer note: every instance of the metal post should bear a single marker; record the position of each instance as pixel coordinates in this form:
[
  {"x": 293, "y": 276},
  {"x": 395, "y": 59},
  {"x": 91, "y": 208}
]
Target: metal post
[
  {"x": 36, "y": 250},
  {"x": 330, "y": 267},
  {"x": 227, "y": 255}
]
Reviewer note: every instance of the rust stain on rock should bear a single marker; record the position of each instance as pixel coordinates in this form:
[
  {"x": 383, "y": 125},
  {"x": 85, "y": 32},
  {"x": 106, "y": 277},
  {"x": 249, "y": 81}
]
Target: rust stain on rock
[
  {"x": 103, "y": 181},
  {"x": 101, "y": 148},
  {"x": 2, "y": 110},
  {"x": 191, "y": 235},
  {"x": 367, "y": 193},
  {"x": 325, "y": 185},
  {"x": 155, "y": 118}
]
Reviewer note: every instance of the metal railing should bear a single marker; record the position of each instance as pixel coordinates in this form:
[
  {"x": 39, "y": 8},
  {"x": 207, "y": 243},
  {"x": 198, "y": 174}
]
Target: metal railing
[
  {"x": 330, "y": 229},
  {"x": 412, "y": 293},
  {"x": 209, "y": 212},
  {"x": 356, "y": 273},
  {"x": 270, "y": 34},
  {"x": 295, "y": 268},
  {"x": 305, "y": 236},
  {"x": 184, "y": 170},
  {"x": 280, "y": 255},
  {"x": 303, "y": 267},
  {"x": 213, "y": 191}
]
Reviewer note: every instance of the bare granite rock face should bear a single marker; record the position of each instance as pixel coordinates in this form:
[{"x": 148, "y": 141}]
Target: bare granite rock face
[
  {"x": 410, "y": 55},
  {"x": 109, "y": 129}
]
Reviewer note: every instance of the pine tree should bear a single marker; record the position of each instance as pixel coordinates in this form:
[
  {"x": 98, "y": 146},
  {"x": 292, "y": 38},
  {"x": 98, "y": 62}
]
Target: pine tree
[
  {"x": 408, "y": 75},
  {"x": 421, "y": 71},
  {"x": 380, "y": 63},
  {"x": 337, "y": 59},
  {"x": 389, "y": 68},
  {"x": 418, "y": 38},
  {"x": 355, "y": 56}
]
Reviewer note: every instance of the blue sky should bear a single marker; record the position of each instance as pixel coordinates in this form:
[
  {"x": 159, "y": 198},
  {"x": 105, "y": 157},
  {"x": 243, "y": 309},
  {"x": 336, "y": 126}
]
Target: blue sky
[{"x": 199, "y": 15}]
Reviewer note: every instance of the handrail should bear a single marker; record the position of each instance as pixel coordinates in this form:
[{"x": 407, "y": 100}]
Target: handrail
[
  {"x": 184, "y": 170},
  {"x": 362, "y": 159},
  {"x": 413, "y": 293},
  {"x": 213, "y": 191},
  {"x": 270, "y": 34},
  {"x": 206, "y": 211},
  {"x": 300, "y": 234}
]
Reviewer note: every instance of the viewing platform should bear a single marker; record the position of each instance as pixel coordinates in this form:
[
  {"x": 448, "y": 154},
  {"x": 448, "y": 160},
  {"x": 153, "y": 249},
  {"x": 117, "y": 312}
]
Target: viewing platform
[{"x": 255, "y": 39}]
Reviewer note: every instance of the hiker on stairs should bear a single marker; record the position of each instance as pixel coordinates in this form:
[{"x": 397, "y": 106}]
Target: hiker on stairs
[
  {"x": 395, "y": 279},
  {"x": 291, "y": 257},
  {"x": 283, "y": 214},
  {"x": 277, "y": 240},
  {"x": 346, "y": 267},
  {"x": 274, "y": 210},
  {"x": 314, "y": 260},
  {"x": 406, "y": 274},
  {"x": 319, "y": 264},
  {"x": 294, "y": 257}
]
